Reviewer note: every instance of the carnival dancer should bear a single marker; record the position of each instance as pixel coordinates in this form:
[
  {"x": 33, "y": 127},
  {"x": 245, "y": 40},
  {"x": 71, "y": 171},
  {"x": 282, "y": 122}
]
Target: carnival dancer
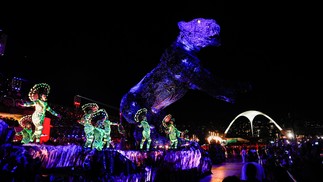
[
  {"x": 38, "y": 98},
  {"x": 141, "y": 117},
  {"x": 27, "y": 132},
  {"x": 171, "y": 131},
  {"x": 102, "y": 129},
  {"x": 107, "y": 123},
  {"x": 89, "y": 109}
]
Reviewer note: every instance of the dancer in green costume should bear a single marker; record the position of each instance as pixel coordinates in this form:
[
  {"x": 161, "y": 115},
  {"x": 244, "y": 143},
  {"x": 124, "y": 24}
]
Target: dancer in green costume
[{"x": 141, "y": 117}]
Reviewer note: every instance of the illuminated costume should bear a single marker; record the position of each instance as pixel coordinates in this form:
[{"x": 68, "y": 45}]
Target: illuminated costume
[
  {"x": 172, "y": 132},
  {"x": 107, "y": 130},
  {"x": 178, "y": 72},
  {"x": 102, "y": 129},
  {"x": 86, "y": 119},
  {"x": 140, "y": 116},
  {"x": 38, "y": 97},
  {"x": 98, "y": 134},
  {"x": 27, "y": 132}
]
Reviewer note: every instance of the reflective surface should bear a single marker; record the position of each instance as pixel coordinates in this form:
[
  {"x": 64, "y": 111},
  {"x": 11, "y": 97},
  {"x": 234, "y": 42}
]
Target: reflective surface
[{"x": 220, "y": 171}]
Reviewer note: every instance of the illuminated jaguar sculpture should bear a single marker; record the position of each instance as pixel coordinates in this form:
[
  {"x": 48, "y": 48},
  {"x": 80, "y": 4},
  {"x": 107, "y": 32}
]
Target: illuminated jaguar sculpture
[{"x": 178, "y": 72}]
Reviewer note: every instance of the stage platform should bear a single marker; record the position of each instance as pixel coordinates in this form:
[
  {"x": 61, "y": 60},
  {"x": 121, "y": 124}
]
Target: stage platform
[{"x": 36, "y": 162}]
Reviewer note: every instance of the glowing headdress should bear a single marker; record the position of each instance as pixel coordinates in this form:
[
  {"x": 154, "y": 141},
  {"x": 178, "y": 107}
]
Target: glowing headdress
[
  {"x": 99, "y": 117},
  {"x": 139, "y": 113},
  {"x": 37, "y": 90},
  {"x": 101, "y": 113},
  {"x": 25, "y": 120},
  {"x": 90, "y": 106}
]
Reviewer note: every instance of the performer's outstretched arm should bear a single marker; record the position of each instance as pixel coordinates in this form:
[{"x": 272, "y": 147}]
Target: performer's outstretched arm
[
  {"x": 50, "y": 110},
  {"x": 27, "y": 104}
]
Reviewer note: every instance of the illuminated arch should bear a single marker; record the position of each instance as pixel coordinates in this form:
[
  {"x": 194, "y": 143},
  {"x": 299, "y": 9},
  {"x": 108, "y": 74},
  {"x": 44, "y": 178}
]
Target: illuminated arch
[{"x": 251, "y": 115}]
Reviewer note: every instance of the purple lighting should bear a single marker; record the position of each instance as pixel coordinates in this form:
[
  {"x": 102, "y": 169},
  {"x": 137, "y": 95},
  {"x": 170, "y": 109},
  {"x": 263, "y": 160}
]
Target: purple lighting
[{"x": 178, "y": 72}]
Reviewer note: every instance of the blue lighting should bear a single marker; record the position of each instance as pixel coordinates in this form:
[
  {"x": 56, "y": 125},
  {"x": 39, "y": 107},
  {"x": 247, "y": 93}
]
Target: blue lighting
[{"x": 178, "y": 72}]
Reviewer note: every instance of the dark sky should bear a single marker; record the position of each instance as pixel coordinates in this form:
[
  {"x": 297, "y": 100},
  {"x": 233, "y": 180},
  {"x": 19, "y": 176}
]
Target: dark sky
[{"x": 100, "y": 51}]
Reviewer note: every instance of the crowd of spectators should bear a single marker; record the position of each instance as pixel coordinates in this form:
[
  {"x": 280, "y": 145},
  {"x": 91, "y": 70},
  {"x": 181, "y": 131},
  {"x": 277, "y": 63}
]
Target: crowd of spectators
[{"x": 296, "y": 160}]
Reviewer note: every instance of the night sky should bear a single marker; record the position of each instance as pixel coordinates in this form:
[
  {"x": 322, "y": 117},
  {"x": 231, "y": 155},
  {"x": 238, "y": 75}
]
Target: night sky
[{"x": 100, "y": 52}]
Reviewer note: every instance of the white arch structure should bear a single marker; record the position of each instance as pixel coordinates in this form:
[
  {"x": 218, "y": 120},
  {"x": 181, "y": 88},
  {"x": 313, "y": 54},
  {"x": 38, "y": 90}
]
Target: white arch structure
[{"x": 251, "y": 115}]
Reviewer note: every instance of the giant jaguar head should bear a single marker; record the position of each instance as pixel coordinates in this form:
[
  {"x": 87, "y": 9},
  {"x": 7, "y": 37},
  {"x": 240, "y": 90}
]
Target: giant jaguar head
[{"x": 199, "y": 33}]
